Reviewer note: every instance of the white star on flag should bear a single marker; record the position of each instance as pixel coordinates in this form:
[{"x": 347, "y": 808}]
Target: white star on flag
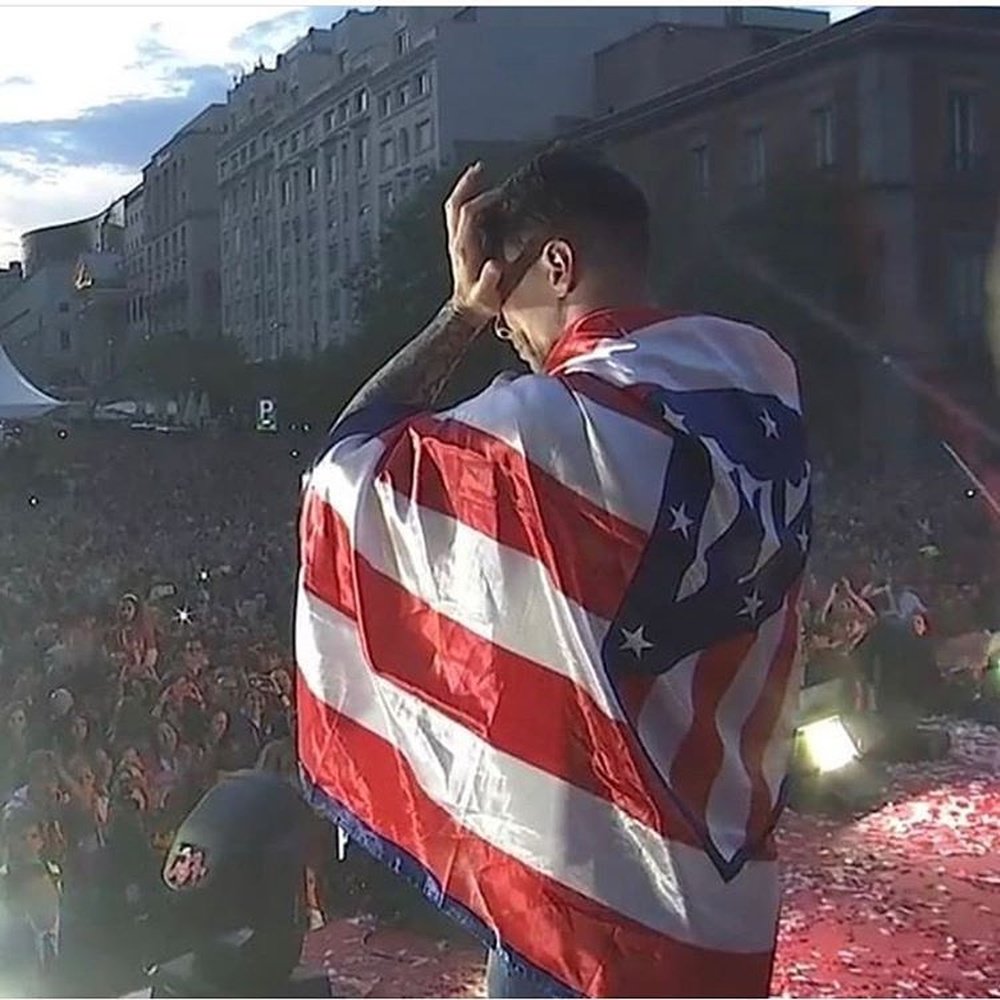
[
  {"x": 636, "y": 641},
  {"x": 752, "y": 605},
  {"x": 681, "y": 521},
  {"x": 770, "y": 425}
]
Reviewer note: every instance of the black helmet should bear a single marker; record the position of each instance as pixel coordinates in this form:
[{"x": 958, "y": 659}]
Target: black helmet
[{"x": 236, "y": 874}]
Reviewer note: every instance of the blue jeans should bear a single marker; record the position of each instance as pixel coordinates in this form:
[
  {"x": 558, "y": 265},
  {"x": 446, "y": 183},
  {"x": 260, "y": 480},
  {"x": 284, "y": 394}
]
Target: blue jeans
[{"x": 503, "y": 982}]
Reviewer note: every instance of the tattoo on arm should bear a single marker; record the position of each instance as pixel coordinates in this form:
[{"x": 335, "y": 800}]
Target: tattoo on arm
[{"x": 418, "y": 374}]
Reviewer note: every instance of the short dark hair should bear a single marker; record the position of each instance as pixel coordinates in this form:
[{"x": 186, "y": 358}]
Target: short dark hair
[{"x": 572, "y": 193}]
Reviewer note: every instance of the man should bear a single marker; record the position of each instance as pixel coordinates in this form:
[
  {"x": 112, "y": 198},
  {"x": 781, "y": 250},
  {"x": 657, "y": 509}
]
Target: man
[{"x": 547, "y": 639}]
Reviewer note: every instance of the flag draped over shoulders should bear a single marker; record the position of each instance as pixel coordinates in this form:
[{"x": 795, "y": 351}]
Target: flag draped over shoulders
[{"x": 547, "y": 648}]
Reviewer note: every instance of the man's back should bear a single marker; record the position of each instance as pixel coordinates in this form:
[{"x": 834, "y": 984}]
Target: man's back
[{"x": 561, "y": 620}]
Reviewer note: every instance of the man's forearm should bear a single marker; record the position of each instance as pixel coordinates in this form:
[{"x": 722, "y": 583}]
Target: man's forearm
[{"x": 418, "y": 373}]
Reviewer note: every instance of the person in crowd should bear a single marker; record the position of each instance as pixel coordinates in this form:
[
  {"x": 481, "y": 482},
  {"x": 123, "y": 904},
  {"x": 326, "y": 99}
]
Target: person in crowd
[{"x": 30, "y": 902}]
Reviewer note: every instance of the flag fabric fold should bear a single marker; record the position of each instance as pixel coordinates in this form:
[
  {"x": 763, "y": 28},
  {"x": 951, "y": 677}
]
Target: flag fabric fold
[{"x": 547, "y": 647}]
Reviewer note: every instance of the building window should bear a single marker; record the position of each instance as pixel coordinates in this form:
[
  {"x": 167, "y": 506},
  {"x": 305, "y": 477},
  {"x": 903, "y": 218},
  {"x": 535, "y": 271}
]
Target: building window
[
  {"x": 963, "y": 129},
  {"x": 342, "y": 109},
  {"x": 823, "y": 142},
  {"x": 307, "y": 135},
  {"x": 362, "y": 153},
  {"x": 328, "y": 119},
  {"x": 402, "y": 96},
  {"x": 404, "y": 146},
  {"x": 282, "y": 149},
  {"x": 331, "y": 169},
  {"x": 967, "y": 287},
  {"x": 312, "y": 178},
  {"x": 424, "y": 136},
  {"x": 402, "y": 42},
  {"x": 361, "y": 102},
  {"x": 701, "y": 168},
  {"x": 387, "y": 200},
  {"x": 65, "y": 341},
  {"x": 385, "y": 105},
  {"x": 294, "y": 147},
  {"x": 387, "y": 154},
  {"x": 286, "y": 191},
  {"x": 423, "y": 83},
  {"x": 756, "y": 157}
]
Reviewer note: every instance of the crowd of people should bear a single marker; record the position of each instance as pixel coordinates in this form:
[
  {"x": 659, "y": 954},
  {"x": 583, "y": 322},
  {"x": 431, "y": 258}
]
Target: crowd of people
[
  {"x": 145, "y": 594},
  {"x": 903, "y": 592},
  {"x": 145, "y": 616}
]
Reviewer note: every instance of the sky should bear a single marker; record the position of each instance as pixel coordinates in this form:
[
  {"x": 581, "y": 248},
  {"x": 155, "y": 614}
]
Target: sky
[{"x": 88, "y": 93}]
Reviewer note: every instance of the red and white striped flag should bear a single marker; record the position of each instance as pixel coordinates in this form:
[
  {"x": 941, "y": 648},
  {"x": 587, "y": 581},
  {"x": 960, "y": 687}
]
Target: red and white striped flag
[{"x": 547, "y": 648}]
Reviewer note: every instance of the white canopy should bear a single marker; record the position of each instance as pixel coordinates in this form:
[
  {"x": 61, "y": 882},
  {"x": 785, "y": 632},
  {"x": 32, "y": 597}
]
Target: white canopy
[{"x": 19, "y": 399}]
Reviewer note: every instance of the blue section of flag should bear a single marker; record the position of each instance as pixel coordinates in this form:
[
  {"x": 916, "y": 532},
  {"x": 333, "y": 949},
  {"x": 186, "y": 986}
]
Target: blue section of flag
[{"x": 657, "y": 627}]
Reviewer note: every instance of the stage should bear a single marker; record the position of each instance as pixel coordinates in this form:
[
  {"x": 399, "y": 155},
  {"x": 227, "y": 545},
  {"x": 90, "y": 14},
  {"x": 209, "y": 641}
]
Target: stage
[{"x": 904, "y": 902}]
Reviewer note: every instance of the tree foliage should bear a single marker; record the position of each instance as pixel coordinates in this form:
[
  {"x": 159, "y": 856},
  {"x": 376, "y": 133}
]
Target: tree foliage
[{"x": 175, "y": 365}]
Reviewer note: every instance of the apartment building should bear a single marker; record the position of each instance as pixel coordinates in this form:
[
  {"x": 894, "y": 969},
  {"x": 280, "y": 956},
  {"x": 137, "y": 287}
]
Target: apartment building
[
  {"x": 899, "y": 106},
  {"x": 320, "y": 149},
  {"x": 46, "y": 325},
  {"x": 135, "y": 265},
  {"x": 180, "y": 232}
]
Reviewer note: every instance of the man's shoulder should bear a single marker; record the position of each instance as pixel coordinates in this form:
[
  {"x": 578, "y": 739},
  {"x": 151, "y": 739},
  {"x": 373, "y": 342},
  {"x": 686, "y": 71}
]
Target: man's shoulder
[{"x": 513, "y": 400}]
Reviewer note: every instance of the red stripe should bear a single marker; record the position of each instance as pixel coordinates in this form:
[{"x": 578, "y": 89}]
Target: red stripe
[
  {"x": 476, "y": 478},
  {"x": 759, "y": 727},
  {"x": 587, "y": 946},
  {"x": 699, "y": 757},
  {"x": 324, "y": 554},
  {"x": 516, "y": 705},
  {"x": 628, "y": 400}
]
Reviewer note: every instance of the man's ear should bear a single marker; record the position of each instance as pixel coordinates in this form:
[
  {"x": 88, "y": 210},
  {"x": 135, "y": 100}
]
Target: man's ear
[{"x": 560, "y": 265}]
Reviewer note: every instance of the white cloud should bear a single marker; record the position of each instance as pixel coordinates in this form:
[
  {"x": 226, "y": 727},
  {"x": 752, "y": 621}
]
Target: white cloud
[
  {"x": 47, "y": 195},
  {"x": 81, "y": 57}
]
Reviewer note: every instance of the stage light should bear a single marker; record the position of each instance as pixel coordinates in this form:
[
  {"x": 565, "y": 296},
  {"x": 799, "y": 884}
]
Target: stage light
[
  {"x": 184, "y": 616},
  {"x": 203, "y": 576},
  {"x": 828, "y": 744},
  {"x": 306, "y": 428},
  {"x": 970, "y": 493},
  {"x": 32, "y": 501},
  {"x": 294, "y": 453},
  {"x": 63, "y": 434}
]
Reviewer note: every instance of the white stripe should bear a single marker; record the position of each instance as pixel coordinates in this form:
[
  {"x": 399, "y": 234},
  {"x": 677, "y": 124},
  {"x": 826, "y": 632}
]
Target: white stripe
[
  {"x": 614, "y": 461},
  {"x": 728, "y": 806},
  {"x": 576, "y": 838},
  {"x": 469, "y": 577},
  {"x": 692, "y": 353},
  {"x": 667, "y": 714}
]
